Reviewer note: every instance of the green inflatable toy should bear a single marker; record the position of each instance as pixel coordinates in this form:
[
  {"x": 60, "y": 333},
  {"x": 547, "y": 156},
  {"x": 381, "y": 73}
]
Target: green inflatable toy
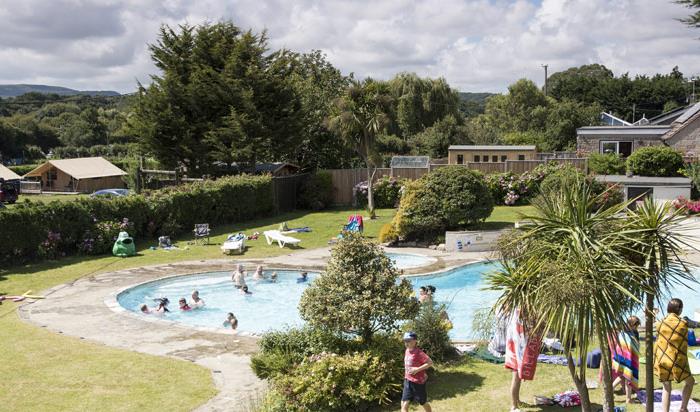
[{"x": 124, "y": 246}]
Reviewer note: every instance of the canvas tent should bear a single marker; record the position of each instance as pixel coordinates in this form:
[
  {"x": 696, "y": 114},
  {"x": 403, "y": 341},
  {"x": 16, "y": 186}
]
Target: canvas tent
[
  {"x": 85, "y": 175},
  {"x": 8, "y": 174}
]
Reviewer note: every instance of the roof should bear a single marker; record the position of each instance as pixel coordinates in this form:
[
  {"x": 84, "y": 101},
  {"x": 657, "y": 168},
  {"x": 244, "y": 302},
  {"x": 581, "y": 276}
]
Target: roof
[
  {"x": 623, "y": 130},
  {"x": 644, "y": 180},
  {"x": 410, "y": 162},
  {"x": 81, "y": 168},
  {"x": 688, "y": 113},
  {"x": 613, "y": 120},
  {"x": 683, "y": 121},
  {"x": 272, "y": 167},
  {"x": 669, "y": 116},
  {"x": 8, "y": 174},
  {"x": 490, "y": 147}
]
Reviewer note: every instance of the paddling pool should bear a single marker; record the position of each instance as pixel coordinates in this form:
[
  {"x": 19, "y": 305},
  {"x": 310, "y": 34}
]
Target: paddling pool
[{"x": 409, "y": 260}]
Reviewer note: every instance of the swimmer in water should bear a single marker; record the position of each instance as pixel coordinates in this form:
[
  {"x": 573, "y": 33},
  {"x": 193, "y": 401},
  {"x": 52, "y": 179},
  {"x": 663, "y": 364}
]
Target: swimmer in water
[
  {"x": 238, "y": 277},
  {"x": 258, "y": 275},
  {"x": 231, "y": 321},
  {"x": 197, "y": 302},
  {"x": 183, "y": 305},
  {"x": 304, "y": 277},
  {"x": 244, "y": 291}
]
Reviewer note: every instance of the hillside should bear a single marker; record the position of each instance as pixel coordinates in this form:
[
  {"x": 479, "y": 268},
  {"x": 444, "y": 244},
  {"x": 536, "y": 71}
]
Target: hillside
[
  {"x": 474, "y": 97},
  {"x": 14, "y": 90}
]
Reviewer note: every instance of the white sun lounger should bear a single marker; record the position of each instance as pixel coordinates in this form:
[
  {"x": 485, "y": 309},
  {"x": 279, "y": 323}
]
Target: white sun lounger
[
  {"x": 277, "y": 236},
  {"x": 230, "y": 246}
]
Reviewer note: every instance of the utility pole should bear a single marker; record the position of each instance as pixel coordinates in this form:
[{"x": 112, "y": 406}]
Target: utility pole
[
  {"x": 692, "y": 80},
  {"x": 545, "y": 78},
  {"x": 634, "y": 110}
]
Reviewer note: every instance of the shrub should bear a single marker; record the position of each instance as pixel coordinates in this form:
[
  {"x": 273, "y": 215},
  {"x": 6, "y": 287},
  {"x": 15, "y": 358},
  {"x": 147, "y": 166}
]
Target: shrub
[
  {"x": 360, "y": 293},
  {"x": 78, "y": 226},
  {"x": 606, "y": 164},
  {"x": 23, "y": 169},
  {"x": 387, "y": 234},
  {"x": 316, "y": 192},
  {"x": 509, "y": 189},
  {"x": 331, "y": 382},
  {"x": 568, "y": 175},
  {"x": 432, "y": 328},
  {"x": 447, "y": 198},
  {"x": 387, "y": 192},
  {"x": 655, "y": 161}
]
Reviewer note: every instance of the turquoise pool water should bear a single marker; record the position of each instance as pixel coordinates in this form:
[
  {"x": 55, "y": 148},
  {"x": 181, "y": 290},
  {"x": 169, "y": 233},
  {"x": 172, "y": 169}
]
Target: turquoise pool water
[
  {"x": 409, "y": 261},
  {"x": 274, "y": 305}
]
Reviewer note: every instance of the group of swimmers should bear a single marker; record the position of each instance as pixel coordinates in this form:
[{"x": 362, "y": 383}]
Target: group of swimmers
[
  {"x": 239, "y": 275},
  {"x": 425, "y": 293},
  {"x": 162, "y": 305}
]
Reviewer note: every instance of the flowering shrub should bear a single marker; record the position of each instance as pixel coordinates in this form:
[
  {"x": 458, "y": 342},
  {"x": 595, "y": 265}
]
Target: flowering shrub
[
  {"x": 386, "y": 190},
  {"x": 509, "y": 189},
  {"x": 50, "y": 247},
  {"x": 692, "y": 207},
  {"x": 101, "y": 239}
]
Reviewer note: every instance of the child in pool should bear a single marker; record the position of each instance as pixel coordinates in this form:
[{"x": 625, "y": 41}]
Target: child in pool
[
  {"x": 238, "y": 277},
  {"x": 231, "y": 321},
  {"x": 183, "y": 305},
  {"x": 244, "y": 291},
  {"x": 273, "y": 277},
  {"x": 162, "y": 306},
  {"x": 145, "y": 309},
  {"x": 197, "y": 302},
  {"x": 258, "y": 275},
  {"x": 303, "y": 278}
]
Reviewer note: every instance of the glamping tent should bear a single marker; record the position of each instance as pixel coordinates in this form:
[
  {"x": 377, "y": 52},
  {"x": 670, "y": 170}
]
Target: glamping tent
[{"x": 84, "y": 175}]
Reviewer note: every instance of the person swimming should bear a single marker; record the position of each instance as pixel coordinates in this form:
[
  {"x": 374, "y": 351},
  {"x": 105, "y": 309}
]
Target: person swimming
[
  {"x": 197, "y": 302},
  {"x": 183, "y": 305},
  {"x": 162, "y": 306},
  {"x": 304, "y": 277},
  {"x": 423, "y": 295},
  {"x": 245, "y": 291},
  {"x": 273, "y": 277},
  {"x": 258, "y": 275},
  {"x": 231, "y": 321},
  {"x": 145, "y": 309},
  {"x": 238, "y": 277}
]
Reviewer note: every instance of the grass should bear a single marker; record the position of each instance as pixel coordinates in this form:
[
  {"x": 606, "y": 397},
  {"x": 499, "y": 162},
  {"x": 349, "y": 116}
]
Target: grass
[
  {"x": 504, "y": 216},
  {"x": 46, "y": 371}
]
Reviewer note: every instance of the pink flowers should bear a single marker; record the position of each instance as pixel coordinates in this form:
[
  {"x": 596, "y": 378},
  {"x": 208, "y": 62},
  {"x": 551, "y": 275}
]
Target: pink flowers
[{"x": 692, "y": 207}]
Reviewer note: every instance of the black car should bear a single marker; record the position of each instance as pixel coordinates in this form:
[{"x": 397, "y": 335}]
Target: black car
[{"x": 8, "y": 192}]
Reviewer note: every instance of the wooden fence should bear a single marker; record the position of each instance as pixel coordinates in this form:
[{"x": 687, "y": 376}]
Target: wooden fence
[{"x": 344, "y": 180}]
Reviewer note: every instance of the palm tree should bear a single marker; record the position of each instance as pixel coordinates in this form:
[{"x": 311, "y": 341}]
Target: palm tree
[
  {"x": 565, "y": 269},
  {"x": 656, "y": 240},
  {"x": 358, "y": 117}
]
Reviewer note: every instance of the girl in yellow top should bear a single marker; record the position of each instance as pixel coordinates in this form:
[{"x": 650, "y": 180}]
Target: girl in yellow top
[{"x": 671, "y": 355}]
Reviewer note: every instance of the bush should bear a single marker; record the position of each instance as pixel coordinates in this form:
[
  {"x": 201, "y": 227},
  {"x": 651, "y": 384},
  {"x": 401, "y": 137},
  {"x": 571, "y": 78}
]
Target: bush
[
  {"x": 606, "y": 164},
  {"x": 387, "y": 234},
  {"x": 689, "y": 206},
  {"x": 566, "y": 175},
  {"x": 386, "y": 190},
  {"x": 448, "y": 198},
  {"x": 432, "y": 327},
  {"x": 23, "y": 169},
  {"x": 331, "y": 382},
  {"x": 87, "y": 225},
  {"x": 655, "y": 161},
  {"x": 316, "y": 192},
  {"x": 509, "y": 189}
]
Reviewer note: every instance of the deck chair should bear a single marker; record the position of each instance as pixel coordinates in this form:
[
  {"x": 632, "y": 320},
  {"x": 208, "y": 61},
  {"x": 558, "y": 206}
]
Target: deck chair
[
  {"x": 201, "y": 231},
  {"x": 282, "y": 240}
]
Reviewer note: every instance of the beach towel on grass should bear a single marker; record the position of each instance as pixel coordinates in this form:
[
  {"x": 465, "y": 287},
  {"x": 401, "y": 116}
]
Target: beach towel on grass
[
  {"x": 521, "y": 350},
  {"x": 671, "y": 349},
  {"x": 625, "y": 358},
  {"x": 676, "y": 397}
]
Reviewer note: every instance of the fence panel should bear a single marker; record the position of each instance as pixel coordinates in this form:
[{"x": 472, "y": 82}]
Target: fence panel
[
  {"x": 488, "y": 168},
  {"x": 344, "y": 180},
  {"x": 580, "y": 163},
  {"x": 521, "y": 166},
  {"x": 406, "y": 173},
  {"x": 285, "y": 190}
]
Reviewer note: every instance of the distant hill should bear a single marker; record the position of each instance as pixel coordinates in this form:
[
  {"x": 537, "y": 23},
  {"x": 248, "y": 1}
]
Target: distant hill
[
  {"x": 14, "y": 90},
  {"x": 474, "y": 97},
  {"x": 473, "y": 104}
]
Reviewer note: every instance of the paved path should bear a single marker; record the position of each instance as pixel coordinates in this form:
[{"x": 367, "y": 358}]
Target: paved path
[{"x": 86, "y": 309}]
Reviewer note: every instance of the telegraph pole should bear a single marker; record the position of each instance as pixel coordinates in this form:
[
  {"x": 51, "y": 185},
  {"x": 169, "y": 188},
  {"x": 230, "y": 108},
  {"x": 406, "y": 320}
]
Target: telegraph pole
[{"x": 545, "y": 78}]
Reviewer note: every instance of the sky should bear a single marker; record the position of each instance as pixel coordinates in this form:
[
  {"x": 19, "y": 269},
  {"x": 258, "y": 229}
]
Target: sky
[{"x": 477, "y": 45}]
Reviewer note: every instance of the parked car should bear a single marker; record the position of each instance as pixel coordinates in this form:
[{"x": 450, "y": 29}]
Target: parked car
[
  {"x": 8, "y": 192},
  {"x": 110, "y": 193}
]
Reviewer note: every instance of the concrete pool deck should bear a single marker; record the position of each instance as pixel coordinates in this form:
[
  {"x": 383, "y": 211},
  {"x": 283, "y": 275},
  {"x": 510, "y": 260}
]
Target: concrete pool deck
[{"x": 81, "y": 309}]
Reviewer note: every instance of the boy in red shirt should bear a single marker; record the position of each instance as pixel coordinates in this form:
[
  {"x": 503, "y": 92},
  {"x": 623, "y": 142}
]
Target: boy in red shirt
[{"x": 415, "y": 362}]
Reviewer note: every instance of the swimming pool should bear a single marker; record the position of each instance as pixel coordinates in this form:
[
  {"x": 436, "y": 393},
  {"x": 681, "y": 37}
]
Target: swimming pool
[
  {"x": 409, "y": 260},
  {"x": 272, "y": 306}
]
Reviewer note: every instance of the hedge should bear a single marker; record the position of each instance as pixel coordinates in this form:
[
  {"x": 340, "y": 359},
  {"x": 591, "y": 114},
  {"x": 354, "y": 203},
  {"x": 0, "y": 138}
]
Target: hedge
[
  {"x": 33, "y": 231},
  {"x": 655, "y": 161},
  {"x": 23, "y": 169}
]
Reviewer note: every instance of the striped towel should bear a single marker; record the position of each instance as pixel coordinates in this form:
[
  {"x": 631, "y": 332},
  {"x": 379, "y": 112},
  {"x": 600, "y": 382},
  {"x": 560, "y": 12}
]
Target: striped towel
[{"x": 625, "y": 358}]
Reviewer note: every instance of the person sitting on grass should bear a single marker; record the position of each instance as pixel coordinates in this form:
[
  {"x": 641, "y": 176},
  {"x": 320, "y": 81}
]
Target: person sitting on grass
[
  {"x": 258, "y": 275},
  {"x": 183, "y": 305},
  {"x": 197, "y": 302},
  {"x": 304, "y": 277},
  {"x": 415, "y": 364},
  {"x": 231, "y": 321},
  {"x": 245, "y": 291},
  {"x": 625, "y": 358},
  {"x": 671, "y": 355}
]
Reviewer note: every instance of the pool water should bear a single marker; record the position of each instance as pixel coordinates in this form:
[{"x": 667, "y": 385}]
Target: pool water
[
  {"x": 273, "y": 306},
  {"x": 409, "y": 261}
]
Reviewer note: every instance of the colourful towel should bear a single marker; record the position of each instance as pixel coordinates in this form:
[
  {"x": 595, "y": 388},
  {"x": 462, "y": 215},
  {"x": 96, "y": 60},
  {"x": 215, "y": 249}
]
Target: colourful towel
[
  {"x": 625, "y": 358},
  {"x": 671, "y": 349},
  {"x": 676, "y": 397},
  {"x": 521, "y": 350}
]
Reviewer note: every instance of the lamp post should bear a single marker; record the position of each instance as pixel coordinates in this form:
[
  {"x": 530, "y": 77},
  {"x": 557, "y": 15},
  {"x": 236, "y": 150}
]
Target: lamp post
[
  {"x": 545, "y": 78},
  {"x": 692, "y": 80}
]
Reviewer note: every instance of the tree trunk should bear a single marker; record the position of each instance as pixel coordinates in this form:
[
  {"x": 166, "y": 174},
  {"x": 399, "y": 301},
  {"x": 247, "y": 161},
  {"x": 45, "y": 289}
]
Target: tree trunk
[
  {"x": 580, "y": 382},
  {"x": 371, "y": 170},
  {"x": 608, "y": 396},
  {"x": 649, "y": 351}
]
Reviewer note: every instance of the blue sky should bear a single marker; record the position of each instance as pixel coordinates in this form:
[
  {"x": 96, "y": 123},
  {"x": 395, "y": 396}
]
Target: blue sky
[{"x": 479, "y": 45}]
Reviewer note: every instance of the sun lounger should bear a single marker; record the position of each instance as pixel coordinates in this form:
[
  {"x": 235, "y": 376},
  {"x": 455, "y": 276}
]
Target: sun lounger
[
  {"x": 277, "y": 236},
  {"x": 234, "y": 243}
]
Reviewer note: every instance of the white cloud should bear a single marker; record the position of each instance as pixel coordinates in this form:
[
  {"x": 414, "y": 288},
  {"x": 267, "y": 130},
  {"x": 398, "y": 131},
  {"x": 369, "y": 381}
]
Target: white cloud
[{"x": 479, "y": 45}]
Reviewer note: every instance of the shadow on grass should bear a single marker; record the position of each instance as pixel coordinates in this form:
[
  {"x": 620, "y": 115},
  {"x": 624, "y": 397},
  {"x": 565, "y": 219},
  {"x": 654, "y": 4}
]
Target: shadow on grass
[
  {"x": 449, "y": 384},
  {"x": 492, "y": 226}
]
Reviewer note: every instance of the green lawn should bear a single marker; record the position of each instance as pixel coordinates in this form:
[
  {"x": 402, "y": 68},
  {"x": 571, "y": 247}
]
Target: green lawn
[{"x": 46, "y": 371}]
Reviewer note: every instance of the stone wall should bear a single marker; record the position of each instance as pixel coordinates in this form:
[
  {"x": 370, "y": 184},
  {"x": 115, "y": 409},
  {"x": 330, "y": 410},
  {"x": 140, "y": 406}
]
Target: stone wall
[
  {"x": 687, "y": 139},
  {"x": 591, "y": 144}
]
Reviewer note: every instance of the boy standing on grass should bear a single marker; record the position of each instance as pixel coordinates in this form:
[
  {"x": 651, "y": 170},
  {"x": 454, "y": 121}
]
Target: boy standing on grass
[{"x": 415, "y": 362}]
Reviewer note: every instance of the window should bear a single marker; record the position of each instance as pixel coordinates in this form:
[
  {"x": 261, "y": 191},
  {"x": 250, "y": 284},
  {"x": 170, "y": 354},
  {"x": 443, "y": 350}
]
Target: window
[
  {"x": 494, "y": 158},
  {"x": 521, "y": 157},
  {"x": 477, "y": 158},
  {"x": 623, "y": 149},
  {"x": 460, "y": 159},
  {"x": 486, "y": 158},
  {"x": 638, "y": 192},
  {"x": 504, "y": 158}
]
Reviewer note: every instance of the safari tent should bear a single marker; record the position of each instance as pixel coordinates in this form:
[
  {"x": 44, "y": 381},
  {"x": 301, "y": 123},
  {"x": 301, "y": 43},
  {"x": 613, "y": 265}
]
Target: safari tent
[{"x": 83, "y": 175}]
